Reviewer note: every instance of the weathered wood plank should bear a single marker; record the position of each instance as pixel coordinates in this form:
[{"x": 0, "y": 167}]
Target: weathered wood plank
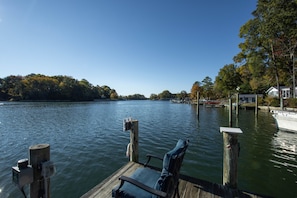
[
  {"x": 188, "y": 186},
  {"x": 188, "y": 190},
  {"x": 104, "y": 189}
]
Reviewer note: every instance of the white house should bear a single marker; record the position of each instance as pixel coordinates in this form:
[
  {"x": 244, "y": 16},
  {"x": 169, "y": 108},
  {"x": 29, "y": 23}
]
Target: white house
[
  {"x": 248, "y": 98},
  {"x": 285, "y": 92}
]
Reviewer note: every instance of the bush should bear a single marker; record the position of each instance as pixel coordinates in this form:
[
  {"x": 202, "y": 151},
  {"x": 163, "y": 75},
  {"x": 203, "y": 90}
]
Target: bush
[
  {"x": 292, "y": 102},
  {"x": 271, "y": 101}
]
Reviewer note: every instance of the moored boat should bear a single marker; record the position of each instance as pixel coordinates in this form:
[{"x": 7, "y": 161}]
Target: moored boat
[{"x": 286, "y": 120}]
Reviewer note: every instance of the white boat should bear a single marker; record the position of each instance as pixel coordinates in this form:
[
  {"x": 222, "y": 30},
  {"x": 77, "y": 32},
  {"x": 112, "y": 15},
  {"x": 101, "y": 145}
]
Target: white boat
[{"x": 286, "y": 120}]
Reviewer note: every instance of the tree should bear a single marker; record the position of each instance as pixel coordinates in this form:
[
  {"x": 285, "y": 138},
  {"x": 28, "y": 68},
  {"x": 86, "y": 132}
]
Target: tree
[
  {"x": 227, "y": 80},
  {"x": 207, "y": 86},
  {"x": 165, "y": 95},
  {"x": 136, "y": 97},
  {"x": 195, "y": 88},
  {"x": 270, "y": 40},
  {"x": 182, "y": 95},
  {"x": 106, "y": 91},
  {"x": 154, "y": 97},
  {"x": 41, "y": 87},
  {"x": 86, "y": 89},
  {"x": 246, "y": 77},
  {"x": 11, "y": 87},
  {"x": 113, "y": 94},
  {"x": 68, "y": 88}
]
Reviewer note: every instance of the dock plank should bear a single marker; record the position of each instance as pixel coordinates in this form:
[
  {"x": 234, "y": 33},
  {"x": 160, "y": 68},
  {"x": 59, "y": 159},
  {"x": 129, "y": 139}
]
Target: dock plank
[
  {"x": 188, "y": 186},
  {"x": 104, "y": 189}
]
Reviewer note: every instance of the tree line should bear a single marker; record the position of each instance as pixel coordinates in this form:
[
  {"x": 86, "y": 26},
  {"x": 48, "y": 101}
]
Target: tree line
[
  {"x": 42, "y": 87},
  {"x": 268, "y": 51},
  {"x": 267, "y": 54}
]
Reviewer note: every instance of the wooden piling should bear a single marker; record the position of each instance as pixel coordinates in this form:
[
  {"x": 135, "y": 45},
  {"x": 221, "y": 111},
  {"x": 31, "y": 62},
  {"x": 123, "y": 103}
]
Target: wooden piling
[
  {"x": 231, "y": 153},
  {"x": 256, "y": 104},
  {"x": 134, "y": 141},
  {"x": 230, "y": 112},
  {"x": 197, "y": 110},
  {"x": 237, "y": 105},
  {"x": 40, "y": 186}
]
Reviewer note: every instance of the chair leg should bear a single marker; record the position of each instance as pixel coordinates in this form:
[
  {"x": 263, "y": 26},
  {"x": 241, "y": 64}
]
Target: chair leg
[{"x": 176, "y": 190}]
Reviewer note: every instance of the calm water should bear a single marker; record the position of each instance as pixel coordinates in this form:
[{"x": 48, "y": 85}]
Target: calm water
[{"x": 88, "y": 144}]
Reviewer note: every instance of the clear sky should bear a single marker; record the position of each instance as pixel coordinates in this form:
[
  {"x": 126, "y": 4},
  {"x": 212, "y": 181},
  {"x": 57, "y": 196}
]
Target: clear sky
[{"x": 133, "y": 46}]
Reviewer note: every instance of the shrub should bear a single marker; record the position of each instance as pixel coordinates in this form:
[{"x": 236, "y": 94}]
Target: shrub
[
  {"x": 271, "y": 101},
  {"x": 292, "y": 102}
]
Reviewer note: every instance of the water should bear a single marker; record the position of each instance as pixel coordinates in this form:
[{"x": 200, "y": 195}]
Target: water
[{"x": 87, "y": 143}]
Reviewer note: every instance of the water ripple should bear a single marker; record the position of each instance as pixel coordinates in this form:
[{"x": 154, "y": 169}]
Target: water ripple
[{"x": 88, "y": 144}]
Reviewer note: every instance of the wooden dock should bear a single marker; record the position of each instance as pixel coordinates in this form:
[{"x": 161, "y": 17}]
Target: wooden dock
[{"x": 189, "y": 187}]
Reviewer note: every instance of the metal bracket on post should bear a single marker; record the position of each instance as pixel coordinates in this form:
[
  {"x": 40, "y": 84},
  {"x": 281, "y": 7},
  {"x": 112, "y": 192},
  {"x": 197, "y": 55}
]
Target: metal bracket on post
[
  {"x": 37, "y": 173},
  {"x": 22, "y": 174},
  {"x": 127, "y": 124}
]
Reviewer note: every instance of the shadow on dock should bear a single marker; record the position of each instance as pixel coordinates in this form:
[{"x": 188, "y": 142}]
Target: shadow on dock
[{"x": 188, "y": 187}]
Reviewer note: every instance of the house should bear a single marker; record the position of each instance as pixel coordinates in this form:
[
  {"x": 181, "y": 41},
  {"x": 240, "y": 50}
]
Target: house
[
  {"x": 285, "y": 92},
  {"x": 248, "y": 98}
]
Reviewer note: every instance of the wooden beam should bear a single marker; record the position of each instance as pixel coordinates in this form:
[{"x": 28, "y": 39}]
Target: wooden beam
[
  {"x": 231, "y": 153},
  {"x": 134, "y": 141}
]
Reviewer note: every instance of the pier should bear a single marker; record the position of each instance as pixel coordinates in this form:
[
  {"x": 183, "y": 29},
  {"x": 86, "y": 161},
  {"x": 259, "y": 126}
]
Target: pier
[{"x": 188, "y": 186}]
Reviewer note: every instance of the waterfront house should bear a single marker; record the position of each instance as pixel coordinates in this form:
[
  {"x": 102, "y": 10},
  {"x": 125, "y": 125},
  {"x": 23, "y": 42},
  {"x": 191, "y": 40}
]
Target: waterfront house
[
  {"x": 285, "y": 92},
  {"x": 248, "y": 98}
]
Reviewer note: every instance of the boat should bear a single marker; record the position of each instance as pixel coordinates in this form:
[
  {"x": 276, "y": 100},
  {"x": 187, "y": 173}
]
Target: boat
[
  {"x": 286, "y": 120},
  {"x": 213, "y": 103}
]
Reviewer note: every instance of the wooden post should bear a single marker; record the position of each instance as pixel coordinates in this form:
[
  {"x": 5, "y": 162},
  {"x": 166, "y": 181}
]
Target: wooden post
[
  {"x": 237, "y": 105},
  {"x": 256, "y": 104},
  {"x": 230, "y": 112},
  {"x": 197, "y": 110},
  {"x": 40, "y": 186},
  {"x": 231, "y": 153},
  {"x": 134, "y": 141}
]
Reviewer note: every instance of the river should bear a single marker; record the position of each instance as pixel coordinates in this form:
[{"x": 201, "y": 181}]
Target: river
[{"x": 88, "y": 144}]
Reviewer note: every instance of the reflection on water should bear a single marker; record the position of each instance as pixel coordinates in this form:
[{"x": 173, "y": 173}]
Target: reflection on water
[{"x": 285, "y": 149}]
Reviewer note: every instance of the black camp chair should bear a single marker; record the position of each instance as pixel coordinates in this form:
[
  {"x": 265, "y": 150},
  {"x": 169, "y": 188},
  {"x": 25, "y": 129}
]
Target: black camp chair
[{"x": 148, "y": 182}]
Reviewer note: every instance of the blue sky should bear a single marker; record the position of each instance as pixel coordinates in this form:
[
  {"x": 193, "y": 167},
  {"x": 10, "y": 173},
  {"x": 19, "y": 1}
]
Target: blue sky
[{"x": 133, "y": 46}]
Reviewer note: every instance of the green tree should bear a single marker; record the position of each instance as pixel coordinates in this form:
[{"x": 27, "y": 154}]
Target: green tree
[
  {"x": 154, "y": 97},
  {"x": 39, "y": 87},
  {"x": 86, "y": 90},
  {"x": 270, "y": 40},
  {"x": 11, "y": 87},
  {"x": 165, "y": 95},
  {"x": 207, "y": 86},
  {"x": 182, "y": 95},
  {"x": 136, "y": 97},
  {"x": 97, "y": 92},
  {"x": 228, "y": 80},
  {"x": 106, "y": 91},
  {"x": 68, "y": 88}
]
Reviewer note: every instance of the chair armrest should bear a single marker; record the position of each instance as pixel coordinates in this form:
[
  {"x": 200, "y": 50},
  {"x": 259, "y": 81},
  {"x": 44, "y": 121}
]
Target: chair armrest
[
  {"x": 149, "y": 156},
  {"x": 142, "y": 186}
]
